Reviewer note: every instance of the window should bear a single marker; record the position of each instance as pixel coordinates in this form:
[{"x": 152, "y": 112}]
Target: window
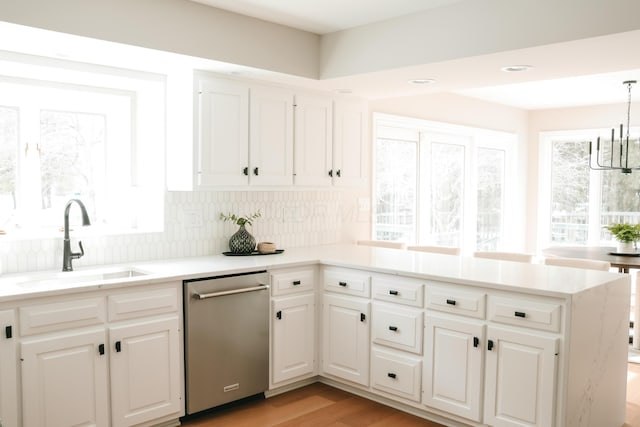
[
  {"x": 438, "y": 184},
  {"x": 575, "y": 201},
  {"x": 83, "y": 132}
]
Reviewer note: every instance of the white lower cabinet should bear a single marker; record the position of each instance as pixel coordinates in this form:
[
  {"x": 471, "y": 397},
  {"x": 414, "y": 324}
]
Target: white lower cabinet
[
  {"x": 293, "y": 337},
  {"x": 8, "y": 368},
  {"x": 106, "y": 360},
  {"x": 64, "y": 380},
  {"x": 396, "y": 373},
  {"x": 145, "y": 374},
  {"x": 454, "y": 368},
  {"x": 345, "y": 344},
  {"x": 520, "y": 379}
]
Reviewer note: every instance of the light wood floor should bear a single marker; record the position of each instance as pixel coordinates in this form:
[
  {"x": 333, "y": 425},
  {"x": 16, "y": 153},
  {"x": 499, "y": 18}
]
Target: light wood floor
[{"x": 319, "y": 405}]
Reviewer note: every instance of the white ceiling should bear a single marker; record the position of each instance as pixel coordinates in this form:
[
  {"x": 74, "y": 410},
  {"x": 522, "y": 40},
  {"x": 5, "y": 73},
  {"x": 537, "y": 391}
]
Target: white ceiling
[
  {"x": 325, "y": 16},
  {"x": 583, "y": 72}
]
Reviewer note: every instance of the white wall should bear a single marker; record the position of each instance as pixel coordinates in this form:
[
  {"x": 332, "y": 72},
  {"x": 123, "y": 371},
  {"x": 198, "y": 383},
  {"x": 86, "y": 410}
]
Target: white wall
[
  {"x": 471, "y": 28},
  {"x": 460, "y": 110},
  {"x": 178, "y": 26}
]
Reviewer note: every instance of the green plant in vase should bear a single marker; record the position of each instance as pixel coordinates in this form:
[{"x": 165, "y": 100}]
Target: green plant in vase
[
  {"x": 241, "y": 242},
  {"x": 626, "y": 234}
]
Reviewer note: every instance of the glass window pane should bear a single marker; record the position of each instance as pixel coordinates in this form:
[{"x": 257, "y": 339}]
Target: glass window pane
[
  {"x": 490, "y": 198},
  {"x": 8, "y": 159},
  {"x": 569, "y": 192},
  {"x": 620, "y": 201},
  {"x": 72, "y": 159},
  {"x": 447, "y": 178},
  {"x": 395, "y": 217}
]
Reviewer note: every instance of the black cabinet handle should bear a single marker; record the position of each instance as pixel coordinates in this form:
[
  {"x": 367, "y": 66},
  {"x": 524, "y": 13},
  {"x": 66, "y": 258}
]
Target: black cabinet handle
[
  {"x": 451, "y": 302},
  {"x": 279, "y": 314},
  {"x": 255, "y": 171},
  {"x": 363, "y": 317},
  {"x": 393, "y": 328},
  {"x": 338, "y": 173},
  {"x": 296, "y": 282},
  {"x": 342, "y": 284},
  {"x": 331, "y": 173},
  {"x": 476, "y": 341},
  {"x": 118, "y": 346},
  {"x": 393, "y": 292},
  {"x": 391, "y": 375},
  {"x": 101, "y": 349},
  {"x": 245, "y": 171},
  {"x": 8, "y": 332},
  {"x": 520, "y": 314},
  {"x": 490, "y": 345}
]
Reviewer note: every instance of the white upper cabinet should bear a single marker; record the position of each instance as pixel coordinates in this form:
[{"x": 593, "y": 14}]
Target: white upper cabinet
[
  {"x": 248, "y": 135},
  {"x": 313, "y": 140},
  {"x": 350, "y": 154},
  {"x": 222, "y": 123},
  {"x": 270, "y": 136}
]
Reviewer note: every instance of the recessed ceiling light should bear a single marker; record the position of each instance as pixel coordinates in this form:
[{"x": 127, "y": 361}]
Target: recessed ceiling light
[
  {"x": 422, "y": 81},
  {"x": 516, "y": 68}
]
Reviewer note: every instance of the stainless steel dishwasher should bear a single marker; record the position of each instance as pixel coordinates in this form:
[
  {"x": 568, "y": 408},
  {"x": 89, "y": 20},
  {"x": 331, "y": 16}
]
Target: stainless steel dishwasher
[{"x": 226, "y": 339}]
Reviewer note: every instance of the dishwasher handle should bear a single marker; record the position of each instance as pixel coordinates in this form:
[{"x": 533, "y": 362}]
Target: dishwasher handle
[{"x": 230, "y": 292}]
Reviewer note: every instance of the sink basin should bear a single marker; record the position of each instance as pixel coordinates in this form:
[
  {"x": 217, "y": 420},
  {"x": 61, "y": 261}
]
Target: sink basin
[{"x": 75, "y": 277}]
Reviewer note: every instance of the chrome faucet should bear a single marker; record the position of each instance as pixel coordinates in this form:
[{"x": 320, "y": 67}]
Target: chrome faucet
[{"x": 68, "y": 255}]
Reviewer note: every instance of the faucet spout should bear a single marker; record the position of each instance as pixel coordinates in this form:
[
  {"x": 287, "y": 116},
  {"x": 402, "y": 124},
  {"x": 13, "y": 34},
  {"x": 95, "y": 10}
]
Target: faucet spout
[{"x": 68, "y": 255}]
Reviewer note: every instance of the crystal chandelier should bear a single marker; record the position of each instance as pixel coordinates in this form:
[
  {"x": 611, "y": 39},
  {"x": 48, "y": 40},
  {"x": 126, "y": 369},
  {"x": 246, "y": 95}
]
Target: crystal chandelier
[{"x": 619, "y": 161}]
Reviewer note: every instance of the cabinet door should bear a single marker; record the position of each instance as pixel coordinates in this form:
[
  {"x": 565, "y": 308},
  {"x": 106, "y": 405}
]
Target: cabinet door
[
  {"x": 313, "y": 140},
  {"x": 346, "y": 338},
  {"x": 453, "y": 366},
  {"x": 8, "y": 367},
  {"x": 64, "y": 380},
  {"x": 222, "y": 150},
  {"x": 271, "y": 136},
  {"x": 294, "y": 337},
  {"x": 349, "y": 143},
  {"x": 520, "y": 379},
  {"x": 145, "y": 374}
]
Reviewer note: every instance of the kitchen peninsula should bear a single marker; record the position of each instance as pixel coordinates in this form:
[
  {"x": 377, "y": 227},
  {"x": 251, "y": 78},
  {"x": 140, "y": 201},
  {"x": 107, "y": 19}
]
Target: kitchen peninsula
[{"x": 462, "y": 341}]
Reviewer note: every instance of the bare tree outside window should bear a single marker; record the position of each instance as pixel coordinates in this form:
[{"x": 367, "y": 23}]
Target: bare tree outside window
[
  {"x": 447, "y": 193},
  {"x": 490, "y": 198},
  {"x": 8, "y": 154},
  {"x": 71, "y": 155}
]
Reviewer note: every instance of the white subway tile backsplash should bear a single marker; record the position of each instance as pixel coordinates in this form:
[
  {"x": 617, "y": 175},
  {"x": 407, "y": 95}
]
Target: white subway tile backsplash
[{"x": 193, "y": 228}]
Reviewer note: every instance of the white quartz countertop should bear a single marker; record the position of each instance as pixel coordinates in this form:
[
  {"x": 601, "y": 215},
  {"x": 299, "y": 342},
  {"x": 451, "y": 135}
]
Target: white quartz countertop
[{"x": 533, "y": 279}]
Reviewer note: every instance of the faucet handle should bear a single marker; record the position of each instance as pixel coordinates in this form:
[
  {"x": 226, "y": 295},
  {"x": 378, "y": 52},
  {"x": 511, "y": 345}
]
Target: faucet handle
[{"x": 81, "y": 249}]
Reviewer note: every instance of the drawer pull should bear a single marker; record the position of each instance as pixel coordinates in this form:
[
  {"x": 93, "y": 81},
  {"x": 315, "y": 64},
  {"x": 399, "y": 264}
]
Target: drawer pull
[
  {"x": 296, "y": 282},
  {"x": 476, "y": 341},
  {"x": 393, "y": 328},
  {"x": 451, "y": 302},
  {"x": 279, "y": 314},
  {"x": 520, "y": 314},
  {"x": 343, "y": 284},
  {"x": 8, "y": 332},
  {"x": 363, "y": 317},
  {"x": 101, "y": 349},
  {"x": 392, "y": 292},
  {"x": 490, "y": 345},
  {"x": 118, "y": 346},
  {"x": 391, "y": 375}
]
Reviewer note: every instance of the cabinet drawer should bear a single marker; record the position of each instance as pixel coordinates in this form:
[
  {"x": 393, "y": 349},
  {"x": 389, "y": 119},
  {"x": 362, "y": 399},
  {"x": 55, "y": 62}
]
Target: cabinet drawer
[
  {"x": 291, "y": 281},
  {"x": 37, "y": 319},
  {"x": 350, "y": 282},
  {"x": 140, "y": 304},
  {"x": 398, "y": 290},
  {"x": 452, "y": 299},
  {"x": 528, "y": 313},
  {"x": 398, "y": 327},
  {"x": 396, "y": 373}
]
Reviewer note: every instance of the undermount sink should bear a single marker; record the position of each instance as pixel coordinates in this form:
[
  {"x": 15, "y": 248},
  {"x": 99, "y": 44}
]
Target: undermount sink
[{"x": 81, "y": 276}]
